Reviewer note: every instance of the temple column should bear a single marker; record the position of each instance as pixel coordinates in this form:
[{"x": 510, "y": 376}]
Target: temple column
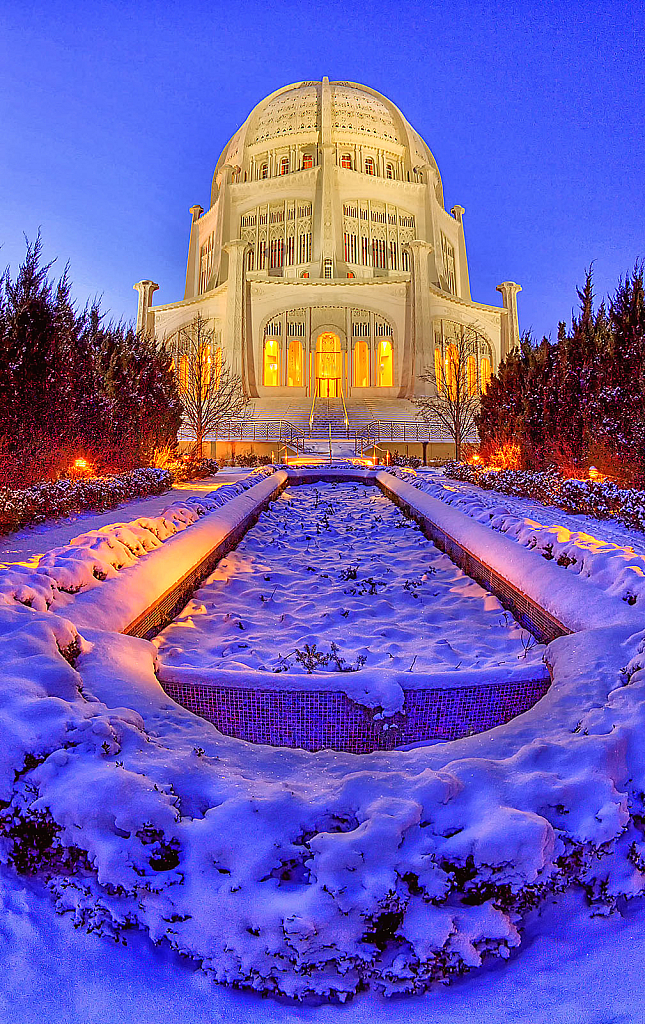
[
  {"x": 240, "y": 359},
  {"x": 510, "y": 323},
  {"x": 464, "y": 284},
  {"x": 192, "y": 269},
  {"x": 415, "y": 342},
  {"x": 145, "y": 319}
]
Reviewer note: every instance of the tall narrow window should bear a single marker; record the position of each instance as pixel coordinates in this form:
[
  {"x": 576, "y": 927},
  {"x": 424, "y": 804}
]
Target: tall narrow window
[
  {"x": 346, "y": 161},
  {"x": 384, "y": 365},
  {"x": 264, "y": 171},
  {"x": 394, "y": 256},
  {"x": 294, "y": 364},
  {"x": 351, "y": 248},
  {"x": 262, "y": 255},
  {"x": 389, "y": 171},
  {"x": 307, "y": 162},
  {"x": 271, "y": 361},
  {"x": 369, "y": 165},
  {"x": 438, "y": 368},
  {"x": 361, "y": 365},
  {"x": 471, "y": 375},
  {"x": 205, "y": 358},
  {"x": 485, "y": 373},
  {"x": 250, "y": 259},
  {"x": 365, "y": 251},
  {"x": 276, "y": 253},
  {"x": 284, "y": 165},
  {"x": 378, "y": 253},
  {"x": 290, "y": 252},
  {"x": 452, "y": 370},
  {"x": 183, "y": 373},
  {"x": 217, "y": 367},
  {"x": 405, "y": 260}
]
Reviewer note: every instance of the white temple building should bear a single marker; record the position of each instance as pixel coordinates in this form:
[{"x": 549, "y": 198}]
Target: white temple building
[{"x": 326, "y": 263}]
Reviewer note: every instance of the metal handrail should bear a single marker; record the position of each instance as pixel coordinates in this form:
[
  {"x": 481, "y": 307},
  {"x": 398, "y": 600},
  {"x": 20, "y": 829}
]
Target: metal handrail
[{"x": 311, "y": 415}]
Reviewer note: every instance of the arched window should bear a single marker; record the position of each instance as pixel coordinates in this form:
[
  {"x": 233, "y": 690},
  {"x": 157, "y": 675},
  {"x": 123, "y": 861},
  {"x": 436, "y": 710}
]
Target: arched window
[
  {"x": 471, "y": 375},
  {"x": 384, "y": 365},
  {"x": 264, "y": 171},
  {"x": 389, "y": 171},
  {"x": 294, "y": 364},
  {"x": 438, "y": 367},
  {"x": 452, "y": 370},
  {"x": 250, "y": 259},
  {"x": 369, "y": 166},
  {"x": 485, "y": 373},
  {"x": 183, "y": 373},
  {"x": 349, "y": 274},
  {"x": 284, "y": 165},
  {"x": 271, "y": 363},
  {"x": 305, "y": 274},
  {"x": 346, "y": 161},
  {"x": 361, "y": 365},
  {"x": 307, "y": 162}
]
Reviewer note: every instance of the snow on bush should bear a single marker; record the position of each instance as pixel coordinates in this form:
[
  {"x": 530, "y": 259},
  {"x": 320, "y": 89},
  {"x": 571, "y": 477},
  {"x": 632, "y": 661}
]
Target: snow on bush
[
  {"x": 310, "y": 874},
  {"x": 53, "y": 499},
  {"x": 589, "y": 497},
  {"x": 98, "y": 555}
]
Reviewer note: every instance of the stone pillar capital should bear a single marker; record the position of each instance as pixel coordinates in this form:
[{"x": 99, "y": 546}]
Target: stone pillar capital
[
  {"x": 418, "y": 245},
  {"x": 458, "y": 212},
  {"x": 196, "y": 212},
  {"x": 511, "y": 333},
  {"x": 145, "y": 290}
]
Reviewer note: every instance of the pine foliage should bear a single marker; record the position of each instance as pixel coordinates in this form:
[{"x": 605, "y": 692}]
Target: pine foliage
[
  {"x": 73, "y": 383},
  {"x": 581, "y": 399}
]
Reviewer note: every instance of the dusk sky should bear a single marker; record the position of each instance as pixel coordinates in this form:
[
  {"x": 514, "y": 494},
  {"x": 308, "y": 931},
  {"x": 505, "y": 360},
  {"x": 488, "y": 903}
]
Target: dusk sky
[{"x": 113, "y": 115}]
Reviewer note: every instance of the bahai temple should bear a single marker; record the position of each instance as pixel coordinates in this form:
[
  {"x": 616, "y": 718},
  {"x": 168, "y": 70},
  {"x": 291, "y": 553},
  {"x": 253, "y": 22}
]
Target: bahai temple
[{"x": 329, "y": 271}]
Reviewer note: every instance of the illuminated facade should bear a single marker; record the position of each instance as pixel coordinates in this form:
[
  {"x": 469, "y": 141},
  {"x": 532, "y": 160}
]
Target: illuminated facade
[{"x": 326, "y": 262}]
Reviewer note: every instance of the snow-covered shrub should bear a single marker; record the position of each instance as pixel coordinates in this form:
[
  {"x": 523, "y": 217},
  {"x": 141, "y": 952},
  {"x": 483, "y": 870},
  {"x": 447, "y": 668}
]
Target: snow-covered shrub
[
  {"x": 53, "y": 499},
  {"x": 584, "y": 497}
]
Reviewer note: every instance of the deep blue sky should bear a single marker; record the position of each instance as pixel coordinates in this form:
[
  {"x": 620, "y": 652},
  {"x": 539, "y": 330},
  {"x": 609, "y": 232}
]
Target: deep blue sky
[{"x": 113, "y": 115}]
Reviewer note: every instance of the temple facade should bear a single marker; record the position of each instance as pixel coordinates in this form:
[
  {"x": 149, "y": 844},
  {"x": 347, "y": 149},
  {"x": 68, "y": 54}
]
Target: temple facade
[{"x": 326, "y": 264}]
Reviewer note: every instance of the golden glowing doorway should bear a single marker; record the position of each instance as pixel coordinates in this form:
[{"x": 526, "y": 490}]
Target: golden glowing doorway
[{"x": 328, "y": 366}]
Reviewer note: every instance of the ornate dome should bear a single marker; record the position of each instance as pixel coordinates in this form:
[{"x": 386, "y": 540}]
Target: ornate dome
[{"x": 350, "y": 112}]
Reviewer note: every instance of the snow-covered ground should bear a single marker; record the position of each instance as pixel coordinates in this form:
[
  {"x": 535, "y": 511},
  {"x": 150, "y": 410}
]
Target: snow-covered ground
[
  {"x": 339, "y": 563},
  {"x": 573, "y": 969},
  {"x": 303, "y": 872},
  {"x": 30, "y": 543}
]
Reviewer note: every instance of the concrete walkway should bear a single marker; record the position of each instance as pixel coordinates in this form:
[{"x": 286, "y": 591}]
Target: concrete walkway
[{"x": 26, "y": 546}]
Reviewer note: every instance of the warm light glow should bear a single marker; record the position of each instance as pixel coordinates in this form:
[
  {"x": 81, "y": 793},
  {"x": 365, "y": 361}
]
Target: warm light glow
[
  {"x": 361, "y": 365},
  {"x": 507, "y": 456},
  {"x": 452, "y": 369},
  {"x": 385, "y": 368},
  {"x": 328, "y": 365},
  {"x": 438, "y": 370},
  {"x": 270, "y": 363},
  {"x": 294, "y": 364},
  {"x": 485, "y": 372},
  {"x": 81, "y": 464},
  {"x": 471, "y": 375},
  {"x": 595, "y": 474}
]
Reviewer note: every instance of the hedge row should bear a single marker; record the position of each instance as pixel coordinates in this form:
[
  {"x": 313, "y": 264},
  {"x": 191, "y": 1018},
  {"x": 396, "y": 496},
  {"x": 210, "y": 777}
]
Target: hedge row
[
  {"x": 56, "y": 498},
  {"x": 588, "y": 497}
]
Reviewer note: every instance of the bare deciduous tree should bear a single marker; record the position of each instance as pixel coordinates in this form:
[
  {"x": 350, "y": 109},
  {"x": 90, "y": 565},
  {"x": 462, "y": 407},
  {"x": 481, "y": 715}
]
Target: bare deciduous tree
[
  {"x": 209, "y": 389},
  {"x": 456, "y": 390}
]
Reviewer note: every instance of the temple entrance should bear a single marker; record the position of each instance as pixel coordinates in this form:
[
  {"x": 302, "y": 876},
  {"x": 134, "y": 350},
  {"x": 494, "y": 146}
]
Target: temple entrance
[{"x": 328, "y": 366}]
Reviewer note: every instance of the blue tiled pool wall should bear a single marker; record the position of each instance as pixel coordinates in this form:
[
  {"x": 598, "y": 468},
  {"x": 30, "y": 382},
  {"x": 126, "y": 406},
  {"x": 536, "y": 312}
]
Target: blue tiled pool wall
[{"x": 321, "y": 719}]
